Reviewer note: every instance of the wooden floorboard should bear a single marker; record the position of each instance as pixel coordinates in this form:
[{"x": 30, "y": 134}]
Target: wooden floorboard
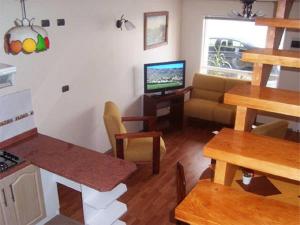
[{"x": 152, "y": 199}]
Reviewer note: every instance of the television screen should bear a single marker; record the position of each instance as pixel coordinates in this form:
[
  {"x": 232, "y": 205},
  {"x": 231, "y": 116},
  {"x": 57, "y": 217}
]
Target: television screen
[{"x": 164, "y": 76}]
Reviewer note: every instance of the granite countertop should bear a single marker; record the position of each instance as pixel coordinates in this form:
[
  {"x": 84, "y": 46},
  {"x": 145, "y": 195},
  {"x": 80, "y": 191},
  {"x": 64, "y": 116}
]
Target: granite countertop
[{"x": 93, "y": 169}]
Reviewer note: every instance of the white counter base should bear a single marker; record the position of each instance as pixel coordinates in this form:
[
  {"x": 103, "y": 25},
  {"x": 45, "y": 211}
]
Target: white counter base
[{"x": 99, "y": 208}]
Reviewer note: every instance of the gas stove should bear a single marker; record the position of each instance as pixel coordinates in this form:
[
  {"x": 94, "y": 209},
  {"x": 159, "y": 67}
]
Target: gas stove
[{"x": 8, "y": 160}]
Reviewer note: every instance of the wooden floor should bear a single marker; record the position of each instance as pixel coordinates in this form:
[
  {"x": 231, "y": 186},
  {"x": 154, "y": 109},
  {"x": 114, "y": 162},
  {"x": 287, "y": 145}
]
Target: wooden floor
[{"x": 152, "y": 199}]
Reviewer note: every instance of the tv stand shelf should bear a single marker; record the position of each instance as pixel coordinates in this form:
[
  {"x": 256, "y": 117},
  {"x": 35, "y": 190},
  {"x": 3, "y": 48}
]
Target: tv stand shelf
[{"x": 170, "y": 107}]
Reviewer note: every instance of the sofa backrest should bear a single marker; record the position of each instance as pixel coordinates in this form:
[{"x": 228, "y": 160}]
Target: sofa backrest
[
  {"x": 212, "y": 87},
  {"x": 230, "y": 83}
]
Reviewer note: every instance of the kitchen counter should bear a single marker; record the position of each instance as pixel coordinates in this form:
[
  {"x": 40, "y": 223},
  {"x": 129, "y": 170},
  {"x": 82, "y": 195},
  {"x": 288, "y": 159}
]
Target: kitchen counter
[{"x": 93, "y": 169}]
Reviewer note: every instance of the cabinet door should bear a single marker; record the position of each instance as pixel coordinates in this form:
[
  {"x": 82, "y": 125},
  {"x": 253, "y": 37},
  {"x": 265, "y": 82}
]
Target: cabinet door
[
  {"x": 3, "y": 205},
  {"x": 27, "y": 197},
  {"x": 7, "y": 213},
  {"x": 2, "y": 221}
]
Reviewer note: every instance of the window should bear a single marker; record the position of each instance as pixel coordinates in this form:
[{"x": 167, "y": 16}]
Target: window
[{"x": 225, "y": 40}]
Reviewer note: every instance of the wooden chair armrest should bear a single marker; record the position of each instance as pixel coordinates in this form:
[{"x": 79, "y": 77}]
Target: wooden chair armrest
[
  {"x": 138, "y": 135},
  {"x": 137, "y": 118},
  {"x": 150, "y": 121}
]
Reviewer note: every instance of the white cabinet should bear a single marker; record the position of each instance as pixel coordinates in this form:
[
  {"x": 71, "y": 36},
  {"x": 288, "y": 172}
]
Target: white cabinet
[{"x": 21, "y": 198}]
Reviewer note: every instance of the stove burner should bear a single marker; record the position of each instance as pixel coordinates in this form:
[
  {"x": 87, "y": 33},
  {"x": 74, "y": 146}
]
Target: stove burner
[
  {"x": 8, "y": 160},
  {"x": 3, "y": 166}
]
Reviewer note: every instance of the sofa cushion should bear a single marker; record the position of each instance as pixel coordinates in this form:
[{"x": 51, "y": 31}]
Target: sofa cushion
[
  {"x": 224, "y": 114},
  {"x": 209, "y": 83},
  {"x": 230, "y": 83},
  {"x": 207, "y": 95},
  {"x": 199, "y": 108}
]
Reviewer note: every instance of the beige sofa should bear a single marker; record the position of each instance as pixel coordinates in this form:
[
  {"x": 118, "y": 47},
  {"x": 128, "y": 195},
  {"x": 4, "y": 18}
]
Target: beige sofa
[{"x": 206, "y": 99}]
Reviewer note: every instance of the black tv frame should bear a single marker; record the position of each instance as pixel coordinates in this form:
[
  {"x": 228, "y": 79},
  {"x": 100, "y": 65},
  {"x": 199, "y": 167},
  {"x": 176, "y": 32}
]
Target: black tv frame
[{"x": 163, "y": 90}]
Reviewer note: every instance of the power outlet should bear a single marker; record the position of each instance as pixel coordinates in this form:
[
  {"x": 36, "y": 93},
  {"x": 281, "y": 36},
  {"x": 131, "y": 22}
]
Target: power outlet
[
  {"x": 65, "y": 88},
  {"x": 60, "y": 22},
  {"x": 45, "y": 23}
]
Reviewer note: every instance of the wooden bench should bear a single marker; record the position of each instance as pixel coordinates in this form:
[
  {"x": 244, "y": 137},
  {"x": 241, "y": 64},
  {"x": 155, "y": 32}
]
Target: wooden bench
[
  {"x": 215, "y": 204},
  {"x": 233, "y": 148}
]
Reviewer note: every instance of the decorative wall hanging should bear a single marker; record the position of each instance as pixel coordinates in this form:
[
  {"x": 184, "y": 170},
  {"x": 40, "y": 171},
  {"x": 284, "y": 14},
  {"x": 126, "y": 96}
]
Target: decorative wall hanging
[
  {"x": 25, "y": 37},
  {"x": 155, "y": 29}
]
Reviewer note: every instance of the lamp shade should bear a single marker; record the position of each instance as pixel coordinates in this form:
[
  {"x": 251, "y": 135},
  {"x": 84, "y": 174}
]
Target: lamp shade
[
  {"x": 129, "y": 25},
  {"x": 27, "y": 39}
]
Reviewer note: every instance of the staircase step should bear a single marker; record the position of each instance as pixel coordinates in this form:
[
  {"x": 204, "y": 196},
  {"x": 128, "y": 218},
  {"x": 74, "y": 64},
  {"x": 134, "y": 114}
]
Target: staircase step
[
  {"x": 273, "y": 57},
  {"x": 210, "y": 203},
  {"x": 269, "y": 155},
  {"x": 278, "y": 22},
  {"x": 266, "y": 99}
]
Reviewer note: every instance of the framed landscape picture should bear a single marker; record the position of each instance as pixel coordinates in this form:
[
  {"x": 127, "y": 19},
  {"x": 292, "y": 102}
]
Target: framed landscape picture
[{"x": 155, "y": 29}]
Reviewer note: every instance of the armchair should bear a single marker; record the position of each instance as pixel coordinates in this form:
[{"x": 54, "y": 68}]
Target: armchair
[{"x": 138, "y": 146}]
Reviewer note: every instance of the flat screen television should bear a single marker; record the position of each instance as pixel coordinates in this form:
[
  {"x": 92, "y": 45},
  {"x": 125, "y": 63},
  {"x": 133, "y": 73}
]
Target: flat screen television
[{"x": 162, "y": 77}]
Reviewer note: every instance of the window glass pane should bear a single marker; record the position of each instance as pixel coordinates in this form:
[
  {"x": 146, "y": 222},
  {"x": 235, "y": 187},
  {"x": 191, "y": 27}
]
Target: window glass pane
[{"x": 224, "y": 41}]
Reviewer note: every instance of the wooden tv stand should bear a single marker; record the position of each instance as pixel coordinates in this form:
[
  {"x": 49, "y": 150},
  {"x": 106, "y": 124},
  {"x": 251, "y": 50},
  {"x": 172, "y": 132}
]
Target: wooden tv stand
[{"x": 171, "y": 104}]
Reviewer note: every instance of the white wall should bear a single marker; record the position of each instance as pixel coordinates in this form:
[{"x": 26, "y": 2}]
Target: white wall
[{"x": 97, "y": 60}]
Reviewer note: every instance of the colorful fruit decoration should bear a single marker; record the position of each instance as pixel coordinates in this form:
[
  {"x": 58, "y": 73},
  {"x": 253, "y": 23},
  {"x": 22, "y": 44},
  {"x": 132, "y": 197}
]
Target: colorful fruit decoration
[
  {"x": 6, "y": 43},
  {"x": 41, "y": 45},
  {"x": 15, "y": 47},
  {"x": 26, "y": 37},
  {"x": 47, "y": 42},
  {"x": 29, "y": 45}
]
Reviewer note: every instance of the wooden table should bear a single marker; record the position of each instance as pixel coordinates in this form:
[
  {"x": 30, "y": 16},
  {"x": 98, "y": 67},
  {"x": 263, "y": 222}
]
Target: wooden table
[{"x": 215, "y": 204}]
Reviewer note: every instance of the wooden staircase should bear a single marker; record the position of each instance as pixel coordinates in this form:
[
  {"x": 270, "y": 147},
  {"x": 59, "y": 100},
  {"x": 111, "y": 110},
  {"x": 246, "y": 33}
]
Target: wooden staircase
[
  {"x": 213, "y": 203},
  {"x": 260, "y": 153},
  {"x": 234, "y": 148},
  {"x": 273, "y": 57},
  {"x": 278, "y": 22},
  {"x": 250, "y": 98}
]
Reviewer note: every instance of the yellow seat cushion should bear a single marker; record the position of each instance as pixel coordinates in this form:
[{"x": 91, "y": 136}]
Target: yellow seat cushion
[
  {"x": 199, "y": 108},
  {"x": 224, "y": 114},
  {"x": 141, "y": 149}
]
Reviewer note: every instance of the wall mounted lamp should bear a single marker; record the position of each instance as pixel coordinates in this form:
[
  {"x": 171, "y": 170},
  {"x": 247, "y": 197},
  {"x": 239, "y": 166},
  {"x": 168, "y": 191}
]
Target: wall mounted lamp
[
  {"x": 25, "y": 37},
  {"x": 122, "y": 21}
]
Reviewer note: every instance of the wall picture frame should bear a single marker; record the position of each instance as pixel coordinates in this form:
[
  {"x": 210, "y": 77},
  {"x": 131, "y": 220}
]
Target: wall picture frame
[{"x": 155, "y": 29}]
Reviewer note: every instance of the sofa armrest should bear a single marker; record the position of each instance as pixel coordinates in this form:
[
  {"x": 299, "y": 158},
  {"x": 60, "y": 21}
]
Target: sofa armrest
[
  {"x": 187, "y": 89},
  {"x": 184, "y": 90}
]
